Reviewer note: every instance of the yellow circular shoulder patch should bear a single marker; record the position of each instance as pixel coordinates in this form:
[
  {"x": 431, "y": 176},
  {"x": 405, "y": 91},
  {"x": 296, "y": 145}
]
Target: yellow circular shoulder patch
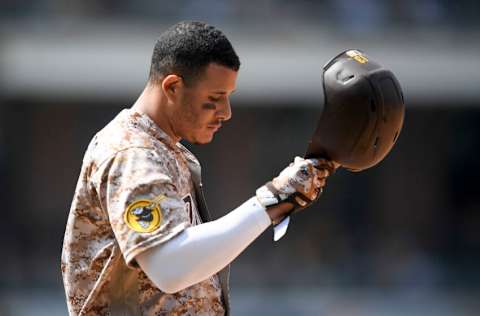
[{"x": 143, "y": 216}]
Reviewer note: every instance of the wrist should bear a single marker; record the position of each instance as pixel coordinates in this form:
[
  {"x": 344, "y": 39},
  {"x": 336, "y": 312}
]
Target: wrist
[
  {"x": 274, "y": 202},
  {"x": 279, "y": 211}
]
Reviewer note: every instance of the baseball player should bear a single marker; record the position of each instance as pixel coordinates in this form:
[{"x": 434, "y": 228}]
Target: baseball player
[{"x": 139, "y": 240}]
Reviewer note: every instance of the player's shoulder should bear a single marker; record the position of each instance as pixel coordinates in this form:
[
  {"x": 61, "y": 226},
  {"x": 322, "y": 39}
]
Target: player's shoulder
[{"x": 124, "y": 136}]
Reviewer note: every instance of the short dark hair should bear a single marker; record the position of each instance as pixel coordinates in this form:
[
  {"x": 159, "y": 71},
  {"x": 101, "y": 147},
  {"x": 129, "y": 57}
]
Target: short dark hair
[{"x": 187, "y": 48}]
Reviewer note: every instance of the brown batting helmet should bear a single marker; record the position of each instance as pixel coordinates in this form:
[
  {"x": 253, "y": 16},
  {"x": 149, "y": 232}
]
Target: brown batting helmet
[{"x": 363, "y": 112}]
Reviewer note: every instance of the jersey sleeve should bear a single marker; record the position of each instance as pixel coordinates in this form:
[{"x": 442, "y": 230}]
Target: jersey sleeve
[{"x": 137, "y": 191}]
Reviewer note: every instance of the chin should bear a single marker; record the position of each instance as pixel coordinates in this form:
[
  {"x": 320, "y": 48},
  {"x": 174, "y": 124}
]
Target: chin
[
  {"x": 204, "y": 141},
  {"x": 201, "y": 140}
]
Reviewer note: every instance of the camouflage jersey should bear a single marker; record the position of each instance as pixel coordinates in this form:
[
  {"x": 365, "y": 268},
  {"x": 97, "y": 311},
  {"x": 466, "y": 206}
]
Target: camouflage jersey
[{"x": 136, "y": 190}]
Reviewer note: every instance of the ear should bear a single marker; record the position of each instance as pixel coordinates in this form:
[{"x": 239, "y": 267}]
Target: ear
[{"x": 171, "y": 85}]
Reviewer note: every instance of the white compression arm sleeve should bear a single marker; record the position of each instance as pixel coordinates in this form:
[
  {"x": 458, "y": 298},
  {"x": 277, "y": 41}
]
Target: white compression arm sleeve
[{"x": 203, "y": 250}]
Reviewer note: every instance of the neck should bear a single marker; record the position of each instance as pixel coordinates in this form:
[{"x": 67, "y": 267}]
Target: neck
[{"x": 153, "y": 103}]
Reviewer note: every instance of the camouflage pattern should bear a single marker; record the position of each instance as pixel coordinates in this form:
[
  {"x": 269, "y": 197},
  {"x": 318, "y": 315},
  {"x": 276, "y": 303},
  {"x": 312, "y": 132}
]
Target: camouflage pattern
[
  {"x": 129, "y": 160},
  {"x": 301, "y": 180},
  {"x": 300, "y": 176}
]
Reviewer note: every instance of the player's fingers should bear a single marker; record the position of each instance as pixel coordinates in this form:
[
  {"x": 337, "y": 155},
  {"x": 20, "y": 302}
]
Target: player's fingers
[
  {"x": 322, "y": 173},
  {"x": 315, "y": 162},
  {"x": 319, "y": 182},
  {"x": 307, "y": 170},
  {"x": 322, "y": 182},
  {"x": 324, "y": 164}
]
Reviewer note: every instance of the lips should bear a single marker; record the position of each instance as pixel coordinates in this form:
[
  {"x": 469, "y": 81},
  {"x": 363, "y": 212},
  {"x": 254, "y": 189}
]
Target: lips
[{"x": 214, "y": 127}]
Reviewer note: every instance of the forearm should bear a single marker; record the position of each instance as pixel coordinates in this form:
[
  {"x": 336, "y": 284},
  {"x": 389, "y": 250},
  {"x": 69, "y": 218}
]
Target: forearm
[{"x": 201, "y": 251}]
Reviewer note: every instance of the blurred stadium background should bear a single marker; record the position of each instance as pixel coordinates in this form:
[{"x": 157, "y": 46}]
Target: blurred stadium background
[{"x": 400, "y": 239}]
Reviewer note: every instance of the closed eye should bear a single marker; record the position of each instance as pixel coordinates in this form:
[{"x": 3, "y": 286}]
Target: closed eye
[{"x": 213, "y": 99}]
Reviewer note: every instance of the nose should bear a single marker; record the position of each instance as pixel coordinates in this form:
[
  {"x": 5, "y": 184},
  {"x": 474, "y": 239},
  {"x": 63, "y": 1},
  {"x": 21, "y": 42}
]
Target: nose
[{"x": 225, "y": 111}]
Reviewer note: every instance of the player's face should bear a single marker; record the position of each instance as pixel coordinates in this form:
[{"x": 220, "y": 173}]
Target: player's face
[{"x": 205, "y": 105}]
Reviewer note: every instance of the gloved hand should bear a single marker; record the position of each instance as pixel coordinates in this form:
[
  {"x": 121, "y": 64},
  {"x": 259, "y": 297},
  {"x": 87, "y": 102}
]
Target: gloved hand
[{"x": 296, "y": 187}]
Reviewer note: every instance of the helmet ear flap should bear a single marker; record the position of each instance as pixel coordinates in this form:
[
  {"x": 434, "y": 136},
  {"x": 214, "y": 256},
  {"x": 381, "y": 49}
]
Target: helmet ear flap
[{"x": 362, "y": 115}]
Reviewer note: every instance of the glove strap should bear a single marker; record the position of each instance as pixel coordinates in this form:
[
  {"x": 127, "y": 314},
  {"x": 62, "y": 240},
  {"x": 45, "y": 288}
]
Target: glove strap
[{"x": 271, "y": 197}]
